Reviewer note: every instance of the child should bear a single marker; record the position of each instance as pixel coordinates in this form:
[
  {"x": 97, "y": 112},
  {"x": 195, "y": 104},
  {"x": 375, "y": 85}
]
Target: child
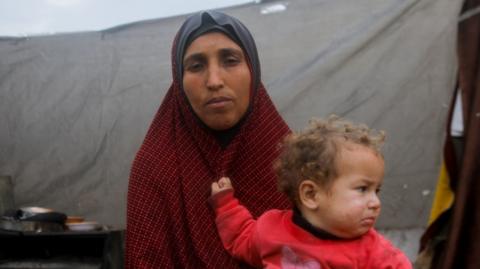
[{"x": 332, "y": 172}]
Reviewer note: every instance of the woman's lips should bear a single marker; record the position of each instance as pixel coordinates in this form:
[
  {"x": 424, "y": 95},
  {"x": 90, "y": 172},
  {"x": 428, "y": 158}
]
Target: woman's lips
[{"x": 218, "y": 102}]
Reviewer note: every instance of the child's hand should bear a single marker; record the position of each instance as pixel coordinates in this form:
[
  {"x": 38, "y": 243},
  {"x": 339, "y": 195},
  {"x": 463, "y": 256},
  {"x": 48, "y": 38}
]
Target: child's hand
[{"x": 222, "y": 184}]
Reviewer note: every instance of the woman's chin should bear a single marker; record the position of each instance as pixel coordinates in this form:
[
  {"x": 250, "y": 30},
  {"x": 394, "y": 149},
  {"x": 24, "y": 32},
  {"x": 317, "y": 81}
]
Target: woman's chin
[
  {"x": 221, "y": 126},
  {"x": 221, "y": 123}
]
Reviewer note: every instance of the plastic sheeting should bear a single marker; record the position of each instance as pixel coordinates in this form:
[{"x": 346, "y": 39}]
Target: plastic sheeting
[{"x": 74, "y": 108}]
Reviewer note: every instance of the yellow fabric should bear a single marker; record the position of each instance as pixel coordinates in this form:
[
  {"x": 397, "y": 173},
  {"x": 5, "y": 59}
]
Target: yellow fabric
[{"x": 443, "y": 195}]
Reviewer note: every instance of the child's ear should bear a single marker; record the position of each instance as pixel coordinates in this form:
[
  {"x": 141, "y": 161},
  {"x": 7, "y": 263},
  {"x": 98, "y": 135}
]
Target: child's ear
[{"x": 307, "y": 192}]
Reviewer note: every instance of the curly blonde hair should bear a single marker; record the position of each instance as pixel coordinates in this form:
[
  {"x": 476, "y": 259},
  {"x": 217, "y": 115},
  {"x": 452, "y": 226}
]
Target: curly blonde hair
[{"x": 311, "y": 154}]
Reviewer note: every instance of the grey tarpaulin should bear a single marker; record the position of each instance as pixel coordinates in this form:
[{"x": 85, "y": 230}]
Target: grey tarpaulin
[{"x": 74, "y": 108}]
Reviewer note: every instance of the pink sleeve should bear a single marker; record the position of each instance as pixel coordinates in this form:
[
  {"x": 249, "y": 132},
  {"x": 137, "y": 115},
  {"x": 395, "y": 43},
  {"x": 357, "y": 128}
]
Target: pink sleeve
[{"x": 236, "y": 227}]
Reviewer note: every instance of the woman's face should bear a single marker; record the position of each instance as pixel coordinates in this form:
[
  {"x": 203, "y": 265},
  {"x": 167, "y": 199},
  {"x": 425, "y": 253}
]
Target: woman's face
[{"x": 216, "y": 80}]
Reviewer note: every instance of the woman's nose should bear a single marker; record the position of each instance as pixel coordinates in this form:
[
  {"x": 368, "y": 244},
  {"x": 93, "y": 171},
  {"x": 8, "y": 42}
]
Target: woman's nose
[{"x": 214, "y": 78}]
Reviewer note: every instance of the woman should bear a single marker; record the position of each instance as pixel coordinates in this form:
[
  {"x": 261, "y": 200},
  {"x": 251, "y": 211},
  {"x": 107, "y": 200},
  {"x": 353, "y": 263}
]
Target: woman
[{"x": 216, "y": 120}]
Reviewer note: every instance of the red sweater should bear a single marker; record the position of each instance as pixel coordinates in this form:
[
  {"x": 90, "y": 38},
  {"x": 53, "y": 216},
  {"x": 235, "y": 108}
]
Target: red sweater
[{"x": 274, "y": 241}]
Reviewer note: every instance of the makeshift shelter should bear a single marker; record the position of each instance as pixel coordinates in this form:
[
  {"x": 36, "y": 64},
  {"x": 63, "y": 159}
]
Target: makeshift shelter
[{"x": 74, "y": 108}]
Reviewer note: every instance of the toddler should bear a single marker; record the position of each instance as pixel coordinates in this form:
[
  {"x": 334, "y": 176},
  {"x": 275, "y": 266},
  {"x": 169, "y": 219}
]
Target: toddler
[{"x": 332, "y": 172}]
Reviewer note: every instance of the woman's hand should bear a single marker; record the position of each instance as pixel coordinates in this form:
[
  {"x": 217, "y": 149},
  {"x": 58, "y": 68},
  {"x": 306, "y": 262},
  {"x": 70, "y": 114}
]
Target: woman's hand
[{"x": 222, "y": 184}]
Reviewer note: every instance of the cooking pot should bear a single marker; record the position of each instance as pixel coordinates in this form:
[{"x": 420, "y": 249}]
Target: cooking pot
[{"x": 33, "y": 219}]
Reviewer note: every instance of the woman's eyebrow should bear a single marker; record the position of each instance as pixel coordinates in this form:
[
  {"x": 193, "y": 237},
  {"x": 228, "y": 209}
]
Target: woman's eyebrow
[
  {"x": 234, "y": 51},
  {"x": 201, "y": 56},
  {"x": 193, "y": 57}
]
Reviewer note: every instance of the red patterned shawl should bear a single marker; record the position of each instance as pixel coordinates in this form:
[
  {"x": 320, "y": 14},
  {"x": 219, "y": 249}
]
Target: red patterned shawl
[{"x": 169, "y": 222}]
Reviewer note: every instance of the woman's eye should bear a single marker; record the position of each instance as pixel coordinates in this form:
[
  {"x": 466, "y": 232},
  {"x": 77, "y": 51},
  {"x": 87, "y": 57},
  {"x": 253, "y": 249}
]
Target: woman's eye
[
  {"x": 194, "y": 67},
  {"x": 231, "y": 61}
]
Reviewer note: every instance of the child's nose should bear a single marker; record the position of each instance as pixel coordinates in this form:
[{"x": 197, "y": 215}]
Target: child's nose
[{"x": 374, "y": 202}]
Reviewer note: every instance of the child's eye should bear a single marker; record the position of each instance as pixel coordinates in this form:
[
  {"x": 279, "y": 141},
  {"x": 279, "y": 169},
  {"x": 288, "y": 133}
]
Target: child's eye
[
  {"x": 378, "y": 190},
  {"x": 362, "y": 189}
]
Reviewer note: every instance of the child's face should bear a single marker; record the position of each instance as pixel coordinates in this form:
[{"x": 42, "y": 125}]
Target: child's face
[{"x": 351, "y": 206}]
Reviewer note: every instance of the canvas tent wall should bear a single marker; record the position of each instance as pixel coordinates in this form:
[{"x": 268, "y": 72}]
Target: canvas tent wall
[{"x": 74, "y": 108}]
